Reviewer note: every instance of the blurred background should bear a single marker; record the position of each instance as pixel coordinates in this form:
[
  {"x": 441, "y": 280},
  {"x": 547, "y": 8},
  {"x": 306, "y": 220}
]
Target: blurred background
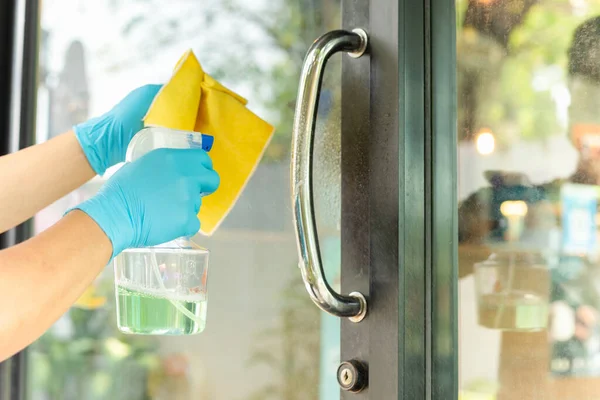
[
  {"x": 528, "y": 95},
  {"x": 264, "y": 337},
  {"x": 528, "y": 75}
]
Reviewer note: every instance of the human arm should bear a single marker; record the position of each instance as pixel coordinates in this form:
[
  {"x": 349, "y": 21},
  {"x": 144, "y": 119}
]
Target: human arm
[
  {"x": 150, "y": 201},
  {"x": 37, "y": 176},
  {"x": 44, "y": 275}
]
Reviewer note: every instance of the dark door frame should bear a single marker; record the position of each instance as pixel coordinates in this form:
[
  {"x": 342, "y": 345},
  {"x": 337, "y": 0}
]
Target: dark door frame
[
  {"x": 19, "y": 25},
  {"x": 399, "y": 196}
]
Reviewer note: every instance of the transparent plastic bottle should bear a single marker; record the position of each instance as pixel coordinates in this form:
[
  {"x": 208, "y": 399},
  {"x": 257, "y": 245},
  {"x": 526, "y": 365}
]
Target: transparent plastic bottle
[{"x": 161, "y": 290}]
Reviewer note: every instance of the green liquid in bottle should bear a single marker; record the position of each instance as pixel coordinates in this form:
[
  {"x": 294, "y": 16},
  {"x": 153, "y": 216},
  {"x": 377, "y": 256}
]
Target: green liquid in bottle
[{"x": 144, "y": 313}]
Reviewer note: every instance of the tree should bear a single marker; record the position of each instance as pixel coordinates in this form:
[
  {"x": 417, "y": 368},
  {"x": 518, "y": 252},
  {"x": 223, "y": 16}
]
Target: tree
[
  {"x": 482, "y": 48},
  {"x": 512, "y": 55}
]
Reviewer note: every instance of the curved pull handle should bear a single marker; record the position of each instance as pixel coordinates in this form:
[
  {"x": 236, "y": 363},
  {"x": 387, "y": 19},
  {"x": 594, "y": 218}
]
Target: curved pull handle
[{"x": 353, "y": 306}]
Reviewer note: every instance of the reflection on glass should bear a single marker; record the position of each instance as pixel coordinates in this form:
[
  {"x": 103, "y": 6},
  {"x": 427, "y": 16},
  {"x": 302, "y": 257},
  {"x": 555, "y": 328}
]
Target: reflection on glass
[
  {"x": 264, "y": 338},
  {"x": 529, "y": 182}
]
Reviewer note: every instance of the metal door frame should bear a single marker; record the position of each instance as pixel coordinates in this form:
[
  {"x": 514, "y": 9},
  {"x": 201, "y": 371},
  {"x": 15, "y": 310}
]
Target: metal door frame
[
  {"x": 399, "y": 198},
  {"x": 19, "y": 25}
]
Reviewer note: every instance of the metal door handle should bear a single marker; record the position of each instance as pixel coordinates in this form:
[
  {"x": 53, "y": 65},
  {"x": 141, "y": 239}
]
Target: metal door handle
[{"x": 354, "y": 305}]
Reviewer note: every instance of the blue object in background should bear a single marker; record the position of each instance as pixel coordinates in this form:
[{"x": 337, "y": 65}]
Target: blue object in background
[{"x": 579, "y": 206}]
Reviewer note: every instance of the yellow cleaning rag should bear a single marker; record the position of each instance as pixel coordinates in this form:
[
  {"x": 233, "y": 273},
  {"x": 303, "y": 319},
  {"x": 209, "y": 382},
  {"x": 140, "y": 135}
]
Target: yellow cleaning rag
[{"x": 193, "y": 100}]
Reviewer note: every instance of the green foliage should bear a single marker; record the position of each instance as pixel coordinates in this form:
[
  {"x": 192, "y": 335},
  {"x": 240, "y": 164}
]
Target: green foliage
[
  {"x": 520, "y": 103},
  {"x": 291, "y": 25},
  {"x": 90, "y": 359}
]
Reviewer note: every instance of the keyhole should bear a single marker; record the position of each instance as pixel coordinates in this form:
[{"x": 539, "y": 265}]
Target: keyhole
[
  {"x": 352, "y": 376},
  {"x": 346, "y": 376}
]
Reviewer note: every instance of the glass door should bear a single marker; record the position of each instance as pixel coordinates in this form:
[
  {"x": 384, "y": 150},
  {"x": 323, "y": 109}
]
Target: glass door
[
  {"x": 528, "y": 151},
  {"x": 381, "y": 186},
  {"x": 371, "y": 191},
  {"x": 264, "y": 337}
]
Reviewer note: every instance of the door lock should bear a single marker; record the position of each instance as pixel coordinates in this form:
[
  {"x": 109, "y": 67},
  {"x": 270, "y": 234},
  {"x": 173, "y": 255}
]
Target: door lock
[{"x": 352, "y": 376}]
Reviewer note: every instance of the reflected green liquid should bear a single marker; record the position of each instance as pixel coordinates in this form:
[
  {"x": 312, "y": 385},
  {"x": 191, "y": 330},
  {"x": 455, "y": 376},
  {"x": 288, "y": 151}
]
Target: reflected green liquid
[{"x": 513, "y": 312}]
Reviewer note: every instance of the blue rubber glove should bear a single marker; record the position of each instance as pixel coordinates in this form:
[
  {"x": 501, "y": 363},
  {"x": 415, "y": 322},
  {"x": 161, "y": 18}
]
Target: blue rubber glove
[
  {"x": 104, "y": 139},
  {"x": 154, "y": 199}
]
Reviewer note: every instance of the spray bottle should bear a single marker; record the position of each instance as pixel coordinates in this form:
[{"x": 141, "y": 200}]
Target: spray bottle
[{"x": 161, "y": 290}]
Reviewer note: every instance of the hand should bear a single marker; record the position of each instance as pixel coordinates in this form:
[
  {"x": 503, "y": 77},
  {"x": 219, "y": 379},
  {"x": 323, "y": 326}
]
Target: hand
[
  {"x": 154, "y": 199},
  {"x": 104, "y": 139}
]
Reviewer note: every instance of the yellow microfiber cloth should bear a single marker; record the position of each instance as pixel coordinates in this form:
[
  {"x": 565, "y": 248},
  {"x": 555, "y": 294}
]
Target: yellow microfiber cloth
[{"x": 194, "y": 101}]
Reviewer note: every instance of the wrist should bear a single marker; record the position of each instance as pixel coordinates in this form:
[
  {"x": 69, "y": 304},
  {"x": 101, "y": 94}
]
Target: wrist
[
  {"x": 90, "y": 139},
  {"x": 78, "y": 155},
  {"x": 88, "y": 232},
  {"x": 113, "y": 218}
]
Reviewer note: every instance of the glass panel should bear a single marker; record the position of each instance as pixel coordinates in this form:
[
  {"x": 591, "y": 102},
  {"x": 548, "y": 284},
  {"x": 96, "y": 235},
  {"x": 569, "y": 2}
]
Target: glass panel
[
  {"x": 264, "y": 337},
  {"x": 529, "y": 185}
]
